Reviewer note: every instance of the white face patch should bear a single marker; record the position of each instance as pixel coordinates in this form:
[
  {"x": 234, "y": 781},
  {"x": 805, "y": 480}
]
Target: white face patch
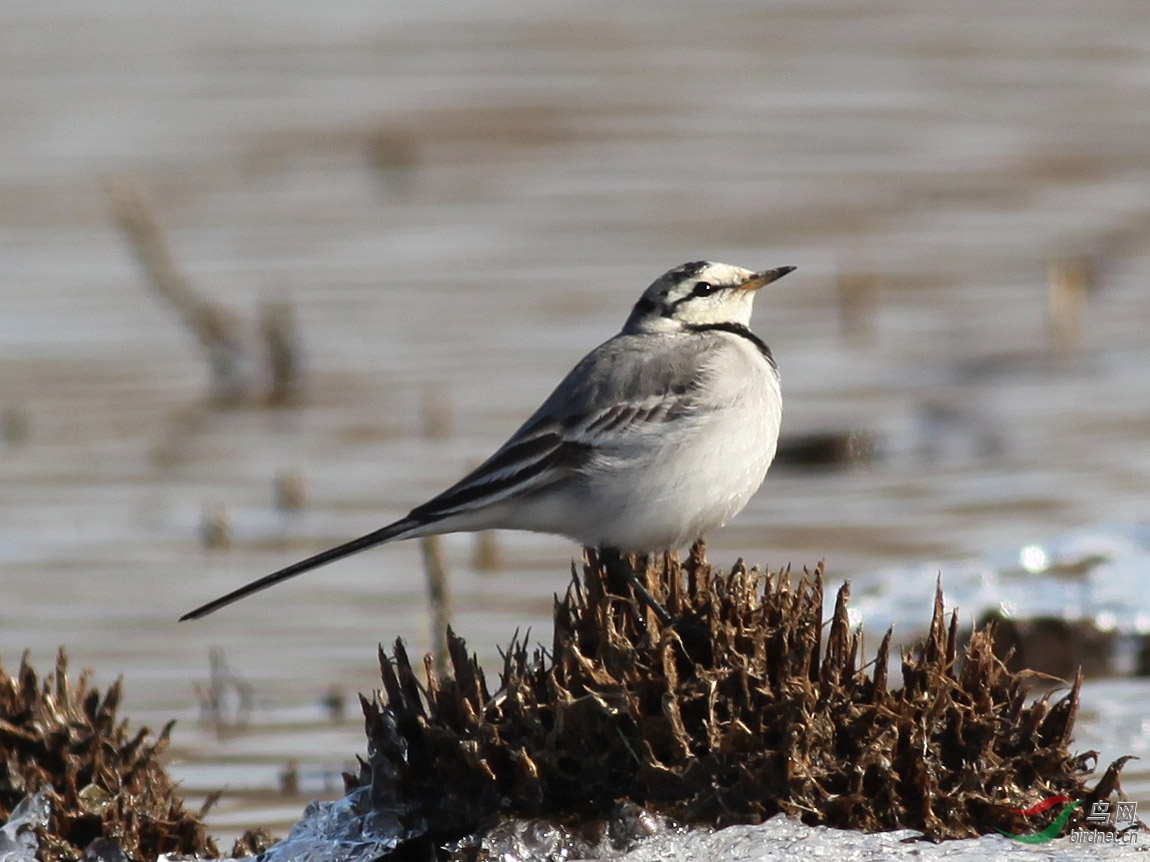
[{"x": 696, "y": 294}]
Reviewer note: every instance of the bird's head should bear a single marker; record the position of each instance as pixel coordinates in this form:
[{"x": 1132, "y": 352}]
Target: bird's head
[{"x": 698, "y": 294}]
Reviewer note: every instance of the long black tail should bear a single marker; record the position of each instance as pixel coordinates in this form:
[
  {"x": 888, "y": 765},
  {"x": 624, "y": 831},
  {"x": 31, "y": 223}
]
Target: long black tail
[{"x": 384, "y": 534}]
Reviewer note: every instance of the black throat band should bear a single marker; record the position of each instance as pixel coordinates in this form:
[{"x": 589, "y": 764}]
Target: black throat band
[{"x": 739, "y": 330}]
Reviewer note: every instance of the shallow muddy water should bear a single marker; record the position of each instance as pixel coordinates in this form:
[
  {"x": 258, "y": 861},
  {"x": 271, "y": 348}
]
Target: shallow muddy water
[{"x": 458, "y": 202}]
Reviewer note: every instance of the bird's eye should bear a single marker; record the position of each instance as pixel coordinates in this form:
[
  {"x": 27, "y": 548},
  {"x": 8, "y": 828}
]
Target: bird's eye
[{"x": 704, "y": 288}]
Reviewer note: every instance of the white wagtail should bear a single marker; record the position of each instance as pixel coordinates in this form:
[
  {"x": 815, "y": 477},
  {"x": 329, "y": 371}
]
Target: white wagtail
[{"x": 657, "y": 436}]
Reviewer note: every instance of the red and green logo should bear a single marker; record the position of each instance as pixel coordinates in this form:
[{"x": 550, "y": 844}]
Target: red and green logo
[{"x": 1051, "y": 831}]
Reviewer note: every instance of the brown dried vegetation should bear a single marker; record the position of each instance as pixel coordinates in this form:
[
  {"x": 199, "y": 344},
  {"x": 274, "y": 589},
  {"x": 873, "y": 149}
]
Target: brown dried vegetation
[
  {"x": 106, "y": 783},
  {"x": 744, "y": 706},
  {"x": 737, "y": 711}
]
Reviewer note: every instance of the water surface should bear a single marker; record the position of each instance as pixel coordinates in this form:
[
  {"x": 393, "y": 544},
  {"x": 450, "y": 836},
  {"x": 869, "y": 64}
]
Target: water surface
[{"x": 459, "y": 202}]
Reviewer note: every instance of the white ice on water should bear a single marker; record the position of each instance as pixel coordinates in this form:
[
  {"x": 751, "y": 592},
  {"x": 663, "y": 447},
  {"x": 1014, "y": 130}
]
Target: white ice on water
[
  {"x": 1097, "y": 574},
  {"x": 18, "y": 841},
  {"x": 780, "y": 839},
  {"x": 346, "y": 830}
]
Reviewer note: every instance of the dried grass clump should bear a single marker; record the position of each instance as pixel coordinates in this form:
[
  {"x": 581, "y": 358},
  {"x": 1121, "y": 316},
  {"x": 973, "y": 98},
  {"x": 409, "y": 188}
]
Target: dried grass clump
[
  {"x": 106, "y": 783},
  {"x": 735, "y": 712}
]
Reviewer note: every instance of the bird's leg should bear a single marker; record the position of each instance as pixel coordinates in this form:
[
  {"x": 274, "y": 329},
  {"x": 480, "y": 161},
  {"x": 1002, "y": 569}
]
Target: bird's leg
[{"x": 618, "y": 566}]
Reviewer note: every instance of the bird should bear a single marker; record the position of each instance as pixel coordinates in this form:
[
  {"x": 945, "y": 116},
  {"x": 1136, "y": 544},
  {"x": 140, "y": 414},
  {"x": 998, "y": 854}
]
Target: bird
[{"x": 658, "y": 435}]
